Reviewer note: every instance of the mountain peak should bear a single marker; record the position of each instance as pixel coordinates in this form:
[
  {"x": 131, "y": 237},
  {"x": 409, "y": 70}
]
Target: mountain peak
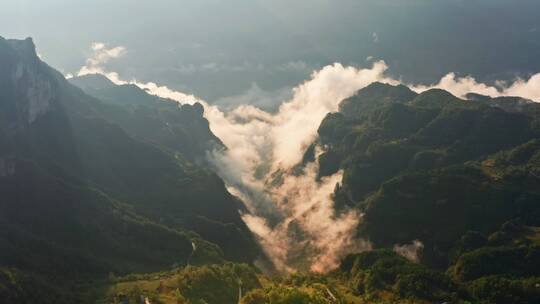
[
  {"x": 26, "y": 81},
  {"x": 436, "y": 98},
  {"x": 92, "y": 81},
  {"x": 25, "y": 48},
  {"x": 477, "y": 97},
  {"x": 381, "y": 86},
  {"x": 373, "y": 94}
]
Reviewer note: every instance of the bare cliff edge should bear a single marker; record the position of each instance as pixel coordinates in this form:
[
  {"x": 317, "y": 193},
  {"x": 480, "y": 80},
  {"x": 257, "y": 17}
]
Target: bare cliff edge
[{"x": 83, "y": 197}]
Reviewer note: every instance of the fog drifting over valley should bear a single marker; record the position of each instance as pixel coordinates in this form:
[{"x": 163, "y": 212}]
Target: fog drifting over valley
[{"x": 291, "y": 213}]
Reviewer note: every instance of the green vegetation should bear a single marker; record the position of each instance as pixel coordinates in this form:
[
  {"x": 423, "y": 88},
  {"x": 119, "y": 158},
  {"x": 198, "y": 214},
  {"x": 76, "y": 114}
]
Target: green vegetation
[
  {"x": 172, "y": 127},
  {"x": 85, "y": 195},
  {"x": 374, "y": 274},
  {"x": 204, "y": 284},
  {"x": 18, "y": 287},
  {"x": 512, "y": 261},
  {"x": 501, "y": 289}
]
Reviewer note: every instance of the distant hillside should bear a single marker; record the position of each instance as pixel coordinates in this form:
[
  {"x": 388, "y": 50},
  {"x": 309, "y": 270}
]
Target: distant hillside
[{"x": 159, "y": 121}]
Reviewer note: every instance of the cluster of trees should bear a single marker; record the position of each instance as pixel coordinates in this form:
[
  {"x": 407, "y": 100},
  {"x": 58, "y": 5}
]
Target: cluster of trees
[{"x": 485, "y": 275}]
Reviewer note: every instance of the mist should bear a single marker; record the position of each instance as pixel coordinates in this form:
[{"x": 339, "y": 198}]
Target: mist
[
  {"x": 461, "y": 86},
  {"x": 410, "y": 251}
]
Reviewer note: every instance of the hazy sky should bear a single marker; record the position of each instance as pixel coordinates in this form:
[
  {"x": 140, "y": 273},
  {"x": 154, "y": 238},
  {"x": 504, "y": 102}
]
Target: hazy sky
[{"x": 221, "y": 48}]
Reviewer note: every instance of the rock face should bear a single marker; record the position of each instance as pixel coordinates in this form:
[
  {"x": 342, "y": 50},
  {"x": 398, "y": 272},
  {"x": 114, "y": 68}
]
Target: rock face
[
  {"x": 38, "y": 95},
  {"x": 28, "y": 83}
]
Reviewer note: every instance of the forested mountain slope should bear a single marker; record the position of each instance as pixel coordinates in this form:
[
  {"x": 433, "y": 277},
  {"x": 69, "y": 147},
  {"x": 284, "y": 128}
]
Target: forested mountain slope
[
  {"x": 430, "y": 166},
  {"x": 160, "y": 121},
  {"x": 453, "y": 182},
  {"x": 82, "y": 197}
]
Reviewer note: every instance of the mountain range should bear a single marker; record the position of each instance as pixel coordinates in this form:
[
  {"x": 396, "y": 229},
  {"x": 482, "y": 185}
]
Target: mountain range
[{"x": 106, "y": 195}]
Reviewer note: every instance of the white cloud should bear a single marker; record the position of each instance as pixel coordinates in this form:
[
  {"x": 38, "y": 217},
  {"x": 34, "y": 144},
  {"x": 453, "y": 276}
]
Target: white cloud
[
  {"x": 529, "y": 89},
  {"x": 262, "y": 145},
  {"x": 102, "y": 54},
  {"x": 410, "y": 251},
  {"x": 297, "y": 121},
  {"x": 461, "y": 86}
]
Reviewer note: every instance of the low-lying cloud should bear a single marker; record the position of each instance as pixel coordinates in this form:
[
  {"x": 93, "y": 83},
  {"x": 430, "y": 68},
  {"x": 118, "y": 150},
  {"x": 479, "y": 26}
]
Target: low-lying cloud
[
  {"x": 102, "y": 54},
  {"x": 461, "y": 86},
  {"x": 411, "y": 251},
  {"x": 292, "y": 213}
]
